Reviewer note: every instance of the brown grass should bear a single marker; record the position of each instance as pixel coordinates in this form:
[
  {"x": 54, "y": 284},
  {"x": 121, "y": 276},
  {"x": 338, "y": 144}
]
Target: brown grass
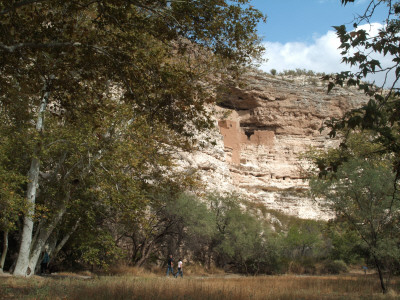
[
  {"x": 190, "y": 269},
  {"x": 124, "y": 270},
  {"x": 193, "y": 287},
  {"x": 199, "y": 270}
]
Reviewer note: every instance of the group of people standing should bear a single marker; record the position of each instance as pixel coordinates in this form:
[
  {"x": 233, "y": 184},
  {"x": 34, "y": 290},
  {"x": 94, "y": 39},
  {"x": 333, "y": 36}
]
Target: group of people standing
[{"x": 170, "y": 267}]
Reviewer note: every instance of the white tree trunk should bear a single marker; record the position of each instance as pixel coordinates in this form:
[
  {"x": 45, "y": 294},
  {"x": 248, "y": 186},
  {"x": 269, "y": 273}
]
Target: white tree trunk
[
  {"x": 51, "y": 244},
  {"x": 21, "y": 267},
  {"x": 53, "y": 253},
  {"x": 43, "y": 236},
  {"x": 4, "y": 252}
]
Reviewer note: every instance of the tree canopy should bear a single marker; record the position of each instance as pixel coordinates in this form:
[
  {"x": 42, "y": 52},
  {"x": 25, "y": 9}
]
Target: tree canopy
[
  {"x": 99, "y": 95},
  {"x": 360, "y": 178},
  {"x": 381, "y": 113}
]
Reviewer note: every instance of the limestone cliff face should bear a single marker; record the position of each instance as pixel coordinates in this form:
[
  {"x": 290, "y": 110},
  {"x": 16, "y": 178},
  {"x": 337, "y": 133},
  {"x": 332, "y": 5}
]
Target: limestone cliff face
[{"x": 263, "y": 129}]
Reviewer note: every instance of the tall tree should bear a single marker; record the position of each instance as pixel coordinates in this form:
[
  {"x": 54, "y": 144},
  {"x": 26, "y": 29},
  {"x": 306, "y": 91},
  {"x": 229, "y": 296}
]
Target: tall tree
[
  {"x": 363, "y": 196},
  {"x": 380, "y": 116},
  {"x": 82, "y": 58}
]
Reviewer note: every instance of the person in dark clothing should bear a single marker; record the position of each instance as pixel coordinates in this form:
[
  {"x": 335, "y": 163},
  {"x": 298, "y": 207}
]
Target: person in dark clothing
[
  {"x": 170, "y": 265},
  {"x": 45, "y": 262}
]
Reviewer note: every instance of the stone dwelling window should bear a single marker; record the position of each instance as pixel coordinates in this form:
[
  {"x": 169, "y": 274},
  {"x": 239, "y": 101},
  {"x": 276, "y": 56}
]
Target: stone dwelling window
[{"x": 249, "y": 133}]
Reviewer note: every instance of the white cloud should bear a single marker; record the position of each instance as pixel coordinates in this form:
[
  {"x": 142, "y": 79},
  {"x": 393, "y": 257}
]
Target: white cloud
[{"x": 322, "y": 55}]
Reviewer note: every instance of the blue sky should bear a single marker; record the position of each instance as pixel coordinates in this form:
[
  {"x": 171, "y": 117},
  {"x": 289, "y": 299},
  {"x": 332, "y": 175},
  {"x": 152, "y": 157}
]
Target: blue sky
[
  {"x": 303, "y": 20},
  {"x": 299, "y": 33}
]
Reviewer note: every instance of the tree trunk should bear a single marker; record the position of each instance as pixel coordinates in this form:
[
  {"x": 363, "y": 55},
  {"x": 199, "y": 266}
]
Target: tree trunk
[
  {"x": 21, "y": 267},
  {"x": 51, "y": 243},
  {"x": 209, "y": 255},
  {"x": 53, "y": 253},
  {"x": 146, "y": 250},
  {"x": 5, "y": 249},
  {"x": 378, "y": 266},
  {"x": 44, "y": 234},
  {"x": 37, "y": 231}
]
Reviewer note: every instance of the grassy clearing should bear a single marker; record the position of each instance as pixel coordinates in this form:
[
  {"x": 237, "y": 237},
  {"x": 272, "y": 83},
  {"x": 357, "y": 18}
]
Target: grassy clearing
[{"x": 263, "y": 287}]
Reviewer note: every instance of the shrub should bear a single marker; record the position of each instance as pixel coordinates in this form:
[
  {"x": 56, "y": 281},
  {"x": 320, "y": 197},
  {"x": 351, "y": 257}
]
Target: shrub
[
  {"x": 124, "y": 270},
  {"x": 300, "y": 72},
  {"x": 295, "y": 267},
  {"x": 273, "y": 72},
  {"x": 334, "y": 267},
  {"x": 305, "y": 266}
]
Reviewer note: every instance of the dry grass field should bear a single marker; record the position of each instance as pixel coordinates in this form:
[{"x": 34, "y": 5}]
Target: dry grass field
[{"x": 68, "y": 286}]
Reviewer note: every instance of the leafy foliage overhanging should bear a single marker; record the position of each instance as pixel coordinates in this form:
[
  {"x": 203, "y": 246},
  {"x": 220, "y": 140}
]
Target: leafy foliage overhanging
[
  {"x": 360, "y": 179},
  {"x": 98, "y": 95},
  {"x": 382, "y": 112}
]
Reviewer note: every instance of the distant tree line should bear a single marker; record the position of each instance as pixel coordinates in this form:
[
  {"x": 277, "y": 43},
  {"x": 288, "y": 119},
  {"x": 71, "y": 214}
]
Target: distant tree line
[{"x": 298, "y": 72}]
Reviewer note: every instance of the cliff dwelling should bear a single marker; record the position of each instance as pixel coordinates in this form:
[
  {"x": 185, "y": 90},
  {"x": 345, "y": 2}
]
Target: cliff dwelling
[{"x": 235, "y": 137}]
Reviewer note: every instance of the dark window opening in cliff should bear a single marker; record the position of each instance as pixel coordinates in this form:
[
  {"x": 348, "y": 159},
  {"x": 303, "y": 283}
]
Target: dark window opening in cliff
[
  {"x": 284, "y": 178},
  {"x": 249, "y": 133},
  {"x": 259, "y": 127},
  {"x": 230, "y": 105}
]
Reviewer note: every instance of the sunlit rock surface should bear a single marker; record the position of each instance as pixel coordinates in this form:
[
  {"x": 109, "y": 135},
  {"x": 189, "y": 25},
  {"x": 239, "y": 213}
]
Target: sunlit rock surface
[{"x": 261, "y": 131}]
